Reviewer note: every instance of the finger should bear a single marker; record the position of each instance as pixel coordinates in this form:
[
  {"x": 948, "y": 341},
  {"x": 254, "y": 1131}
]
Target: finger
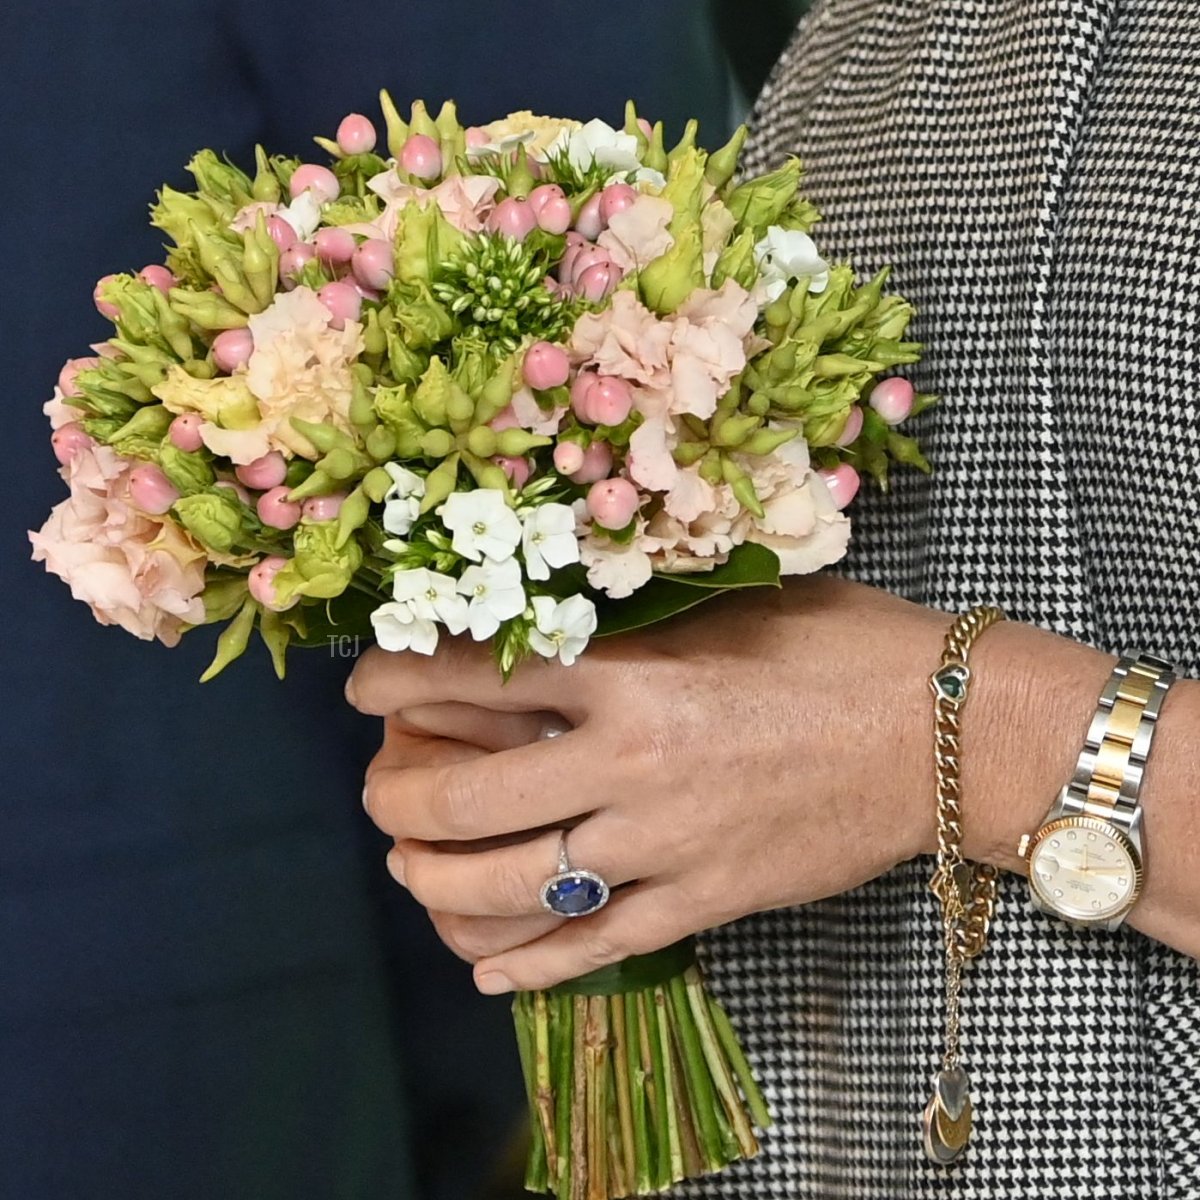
[
  {"x": 480, "y": 726},
  {"x": 402, "y": 750},
  {"x": 506, "y": 881},
  {"x": 473, "y": 938},
  {"x": 384, "y": 682},
  {"x": 507, "y": 792},
  {"x": 639, "y": 920}
]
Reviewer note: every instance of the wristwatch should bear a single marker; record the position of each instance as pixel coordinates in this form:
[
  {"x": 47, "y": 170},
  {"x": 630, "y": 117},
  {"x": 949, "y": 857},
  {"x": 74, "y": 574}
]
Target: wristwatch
[{"x": 1085, "y": 862}]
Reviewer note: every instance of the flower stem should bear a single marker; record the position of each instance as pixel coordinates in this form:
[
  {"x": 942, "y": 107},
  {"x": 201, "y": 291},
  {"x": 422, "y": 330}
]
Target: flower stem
[
  {"x": 543, "y": 1091},
  {"x": 696, "y": 1073},
  {"x": 670, "y": 1148},
  {"x": 737, "y": 1058},
  {"x": 622, "y": 1087},
  {"x": 579, "y": 1124}
]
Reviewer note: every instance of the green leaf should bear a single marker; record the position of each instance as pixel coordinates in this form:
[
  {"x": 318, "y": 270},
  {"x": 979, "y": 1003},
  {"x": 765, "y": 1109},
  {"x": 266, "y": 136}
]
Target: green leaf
[
  {"x": 340, "y": 621},
  {"x": 750, "y": 565}
]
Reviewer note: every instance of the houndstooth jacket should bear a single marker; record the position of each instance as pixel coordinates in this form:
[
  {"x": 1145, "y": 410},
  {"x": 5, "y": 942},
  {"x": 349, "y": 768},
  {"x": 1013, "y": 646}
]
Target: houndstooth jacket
[{"x": 1031, "y": 168}]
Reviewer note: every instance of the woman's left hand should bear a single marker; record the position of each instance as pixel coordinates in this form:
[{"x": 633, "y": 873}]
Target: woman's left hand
[{"x": 758, "y": 753}]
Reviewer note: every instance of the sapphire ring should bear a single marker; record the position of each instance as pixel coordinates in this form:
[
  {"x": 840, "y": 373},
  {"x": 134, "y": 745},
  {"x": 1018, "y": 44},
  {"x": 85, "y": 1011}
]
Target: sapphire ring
[{"x": 572, "y": 892}]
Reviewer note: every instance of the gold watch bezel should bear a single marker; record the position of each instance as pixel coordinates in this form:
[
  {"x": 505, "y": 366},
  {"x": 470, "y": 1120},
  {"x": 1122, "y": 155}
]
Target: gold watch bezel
[{"x": 1097, "y": 825}]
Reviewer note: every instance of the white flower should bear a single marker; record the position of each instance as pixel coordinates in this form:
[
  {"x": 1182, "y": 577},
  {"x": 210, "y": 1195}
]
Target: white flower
[
  {"x": 787, "y": 254},
  {"x": 431, "y": 597},
  {"x": 402, "y": 501},
  {"x": 599, "y": 143},
  {"x": 548, "y": 538},
  {"x": 495, "y": 594},
  {"x": 303, "y": 214},
  {"x": 562, "y": 627},
  {"x": 481, "y": 522},
  {"x": 396, "y": 628}
]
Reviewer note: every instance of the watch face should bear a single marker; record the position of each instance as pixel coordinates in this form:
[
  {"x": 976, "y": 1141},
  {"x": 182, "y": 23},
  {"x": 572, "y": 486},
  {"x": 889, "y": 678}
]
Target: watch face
[{"x": 1085, "y": 869}]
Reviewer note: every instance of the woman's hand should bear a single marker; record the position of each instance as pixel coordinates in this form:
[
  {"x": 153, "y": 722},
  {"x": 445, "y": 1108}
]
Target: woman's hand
[{"x": 759, "y": 753}]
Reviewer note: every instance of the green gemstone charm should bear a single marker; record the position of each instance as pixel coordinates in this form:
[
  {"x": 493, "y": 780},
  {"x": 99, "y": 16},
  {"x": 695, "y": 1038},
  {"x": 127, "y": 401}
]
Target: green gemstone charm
[{"x": 950, "y": 682}]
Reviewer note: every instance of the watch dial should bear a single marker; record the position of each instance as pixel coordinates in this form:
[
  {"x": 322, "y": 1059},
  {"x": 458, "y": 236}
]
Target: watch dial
[{"x": 1084, "y": 870}]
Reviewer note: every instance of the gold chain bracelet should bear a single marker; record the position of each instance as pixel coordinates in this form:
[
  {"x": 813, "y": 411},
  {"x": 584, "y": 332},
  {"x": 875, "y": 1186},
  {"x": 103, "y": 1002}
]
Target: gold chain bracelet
[{"x": 966, "y": 892}]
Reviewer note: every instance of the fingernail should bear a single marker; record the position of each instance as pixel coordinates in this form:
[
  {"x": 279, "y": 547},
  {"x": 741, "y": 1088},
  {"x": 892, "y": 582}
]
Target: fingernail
[
  {"x": 395, "y": 866},
  {"x": 493, "y": 983}
]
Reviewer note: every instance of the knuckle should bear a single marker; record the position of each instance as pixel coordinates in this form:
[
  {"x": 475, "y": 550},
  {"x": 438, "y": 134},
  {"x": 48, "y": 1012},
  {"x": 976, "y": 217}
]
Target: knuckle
[
  {"x": 511, "y": 890},
  {"x": 457, "y": 802},
  {"x": 598, "y": 948}
]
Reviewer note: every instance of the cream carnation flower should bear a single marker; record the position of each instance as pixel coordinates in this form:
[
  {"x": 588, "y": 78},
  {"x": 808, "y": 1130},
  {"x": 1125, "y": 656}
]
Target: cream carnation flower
[{"x": 537, "y": 133}]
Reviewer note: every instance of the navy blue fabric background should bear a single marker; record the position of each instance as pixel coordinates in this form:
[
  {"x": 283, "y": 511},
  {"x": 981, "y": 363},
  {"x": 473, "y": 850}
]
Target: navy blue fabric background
[{"x": 210, "y": 989}]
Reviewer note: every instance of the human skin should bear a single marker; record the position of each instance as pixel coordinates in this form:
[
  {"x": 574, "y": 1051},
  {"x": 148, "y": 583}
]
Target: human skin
[{"x": 757, "y": 753}]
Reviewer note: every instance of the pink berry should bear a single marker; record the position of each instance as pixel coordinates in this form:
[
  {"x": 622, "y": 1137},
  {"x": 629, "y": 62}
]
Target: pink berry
[
  {"x": 70, "y": 369},
  {"x": 334, "y": 246},
  {"x": 293, "y": 260},
  {"x": 576, "y": 243},
  {"x": 852, "y": 428},
  {"x": 184, "y": 432},
  {"x": 613, "y": 502},
  {"x": 555, "y": 215},
  {"x": 158, "y": 276},
  {"x": 266, "y": 472},
  {"x": 542, "y": 193},
  {"x": 315, "y": 178},
  {"x": 518, "y": 470},
  {"x": 323, "y": 508},
  {"x": 105, "y": 307},
  {"x": 615, "y": 198},
  {"x": 150, "y": 490},
  {"x": 275, "y": 509},
  {"x": 598, "y": 281},
  {"x": 585, "y": 257},
  {"x": 610, "y": 400},
  {"x": 343, "y": 302},
  {"x": 68, "y": 441},
  {"x": 545, "y": 366},
  {"x": 645, "y": 127},
  {"x": 589, "y": 222},
  {"x": 568, "y": 457},
  {"x": 232, "y": 349},
  {"x": 282, "y": 234},
  {"x": 892, "y": 399},
  {"x": 356, "y": 134},
  {"x": 513, "y": 218},
  {"x": 597, "y": 463},
  {"x": 367, "y": 293},
  {"x": 842, "y": 482},
  {"x": 421, "y": 156},
  {"x": 374, "y": 263},
  {"x": 581, "y": 390},
  {"x": 261, "y": 582}
]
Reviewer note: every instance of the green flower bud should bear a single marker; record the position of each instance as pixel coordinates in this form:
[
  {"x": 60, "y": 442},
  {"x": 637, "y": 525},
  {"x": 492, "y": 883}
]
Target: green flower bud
[
  {"x": 741, "y": 486},
  {"x": 759, "y": 404},
  {"x": 513, "y": 443},
  {"x": 381, "y": 443},
  {"x": 481, "y": 441},
  {"x": 341, "y": 464},
  {"x": 433, "y": 392},
  {"x": 758, "y": 202},
  {"x": 376, "y": 484},
  {"x": 284, "y": 168},
  {"x": 655, "y": 156},
  {"x": 396, "y": 412},
  {"x": 200, "y": 368},
  {"x": 323, "y": 437},
  {"x": 737, "y": 262},
  {"x": 440, "y": 482},
  {"x": 319, "y": 567},
  {"x": 223, "y": 596},
  {"x": 734, "y": 430},
  {"x": 437, "y": 443},
  {"x": 685, "y": 184},
  {"x": 710, "y": 467},
  {"x": 460, "y": 408},
  {"x": 234, "y": 286},
  {"x": 634, "y": 129},
  {"x": 361, "y": 410},
  {"x": 496, "y": 394},
  {"x": 905, "y": 450},
  {"x": 189, "y": 472},
  {"x": 686, "y": 144},
  {"x": 419, "y": 121},
  {"x": 213, "y": 518},
  {"x": 406, "y": 365},
  {"x": 397, "y": 127},
  {"x": 330, "y": 147},
  {"x": 260, "y": 261},
  {"x": 839, "y": 366},
  {"x": 666, "y": 282},
  {"x": 178, "y": 213},
  {"x": 486, "y": 474},
  {"x": 353, "y": 514},
  {"x": 767, "y": 441},
  {"x": 233, "y": 640},
  {"x": 722, "y": 164},
  {"x": 519, "y": 180},
  {"x": 172, "y": 326},
  {"x": 686, "y": 454},
  {"x": 298, "y": 470},
  {"x": 451, "y": 135},
  {"x": 423, "y": 318},
  {"x": 374, "y": 338},
  {"x": 207, "y": 310},
  {"x": 276, "y": 633},
  {"x": 149, "y": 424},
  {"x": 316, "y": 484},
  {"x": 220, "y": 180},
  {"x": 265, "y": 188},
  {"x": 825, "y": 430}
]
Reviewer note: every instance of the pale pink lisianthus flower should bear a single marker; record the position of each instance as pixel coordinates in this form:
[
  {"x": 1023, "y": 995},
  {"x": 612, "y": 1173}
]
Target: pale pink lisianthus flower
[
  {"x": 638, "y": 234},
  {"x": 530, "y": 415},
  {"x": 141, "y": 572},
  {"x": 465, "y": 201},
  {"x": 59, "y": 412}
]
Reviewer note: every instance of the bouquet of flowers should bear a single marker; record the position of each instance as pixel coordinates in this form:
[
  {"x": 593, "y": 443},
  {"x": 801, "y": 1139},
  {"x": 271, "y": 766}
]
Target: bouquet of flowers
[{"x": 529, "y": 383}]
